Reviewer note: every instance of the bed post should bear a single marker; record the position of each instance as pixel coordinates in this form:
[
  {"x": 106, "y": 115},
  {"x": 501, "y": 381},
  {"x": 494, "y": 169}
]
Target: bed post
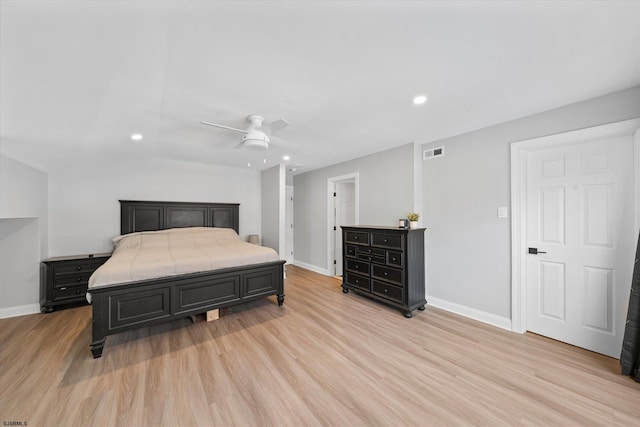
[{"x": 98, "y": 337}]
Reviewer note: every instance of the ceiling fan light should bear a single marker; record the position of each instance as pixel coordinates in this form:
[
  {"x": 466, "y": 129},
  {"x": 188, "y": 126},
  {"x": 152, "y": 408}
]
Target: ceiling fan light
[{"x": 256, "y": 141}]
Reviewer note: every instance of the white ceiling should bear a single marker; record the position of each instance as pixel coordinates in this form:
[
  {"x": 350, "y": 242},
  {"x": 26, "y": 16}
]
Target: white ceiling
[{"x": 79, "y": 77}]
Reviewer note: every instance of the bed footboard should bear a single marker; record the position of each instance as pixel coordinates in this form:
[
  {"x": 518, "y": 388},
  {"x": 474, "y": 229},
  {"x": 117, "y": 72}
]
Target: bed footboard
[{"x": 134, "y": 305}]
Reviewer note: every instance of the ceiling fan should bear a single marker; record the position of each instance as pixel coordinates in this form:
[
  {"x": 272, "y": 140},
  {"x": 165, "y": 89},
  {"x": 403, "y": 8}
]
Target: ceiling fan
[{"x": 257, "y": 136}]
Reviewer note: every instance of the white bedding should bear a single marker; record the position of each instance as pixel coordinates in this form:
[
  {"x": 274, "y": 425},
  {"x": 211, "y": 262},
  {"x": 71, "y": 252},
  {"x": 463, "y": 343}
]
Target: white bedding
[{"x": 153, "y": 254}]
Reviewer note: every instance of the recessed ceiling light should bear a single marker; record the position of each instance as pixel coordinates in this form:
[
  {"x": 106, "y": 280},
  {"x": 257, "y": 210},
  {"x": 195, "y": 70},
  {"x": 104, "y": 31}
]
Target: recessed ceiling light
[
  {"x": 136, "y": 137},
  {"x": 248, "y": 164},
  {"x": 420, "y": 99},
  {"x": 264, "y": 160},
  {"x": 286, "y": 158}
]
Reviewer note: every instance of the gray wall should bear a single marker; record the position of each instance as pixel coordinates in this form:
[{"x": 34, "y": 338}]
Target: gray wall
[
  {"x": 23, "y": 235},
  {"x": 386, "y": 194},
  {"x": 468, "y": 257},
  {"x": 84, "y": 213}
]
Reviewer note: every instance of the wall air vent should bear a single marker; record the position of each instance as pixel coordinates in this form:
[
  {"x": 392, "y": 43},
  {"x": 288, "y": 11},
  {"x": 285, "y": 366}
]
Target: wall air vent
[{"x": 432, "y": 153}]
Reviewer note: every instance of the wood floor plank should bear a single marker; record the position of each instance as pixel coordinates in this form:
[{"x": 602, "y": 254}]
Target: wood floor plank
[{"x": 323, "y": 359}]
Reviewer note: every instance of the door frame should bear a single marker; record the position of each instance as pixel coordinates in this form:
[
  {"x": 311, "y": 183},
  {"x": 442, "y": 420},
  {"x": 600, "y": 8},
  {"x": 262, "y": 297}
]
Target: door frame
[
  {"x": 288, "y": 226},
  {"x": 331, "y": 185},
  {"x": 519, "y": 155}
]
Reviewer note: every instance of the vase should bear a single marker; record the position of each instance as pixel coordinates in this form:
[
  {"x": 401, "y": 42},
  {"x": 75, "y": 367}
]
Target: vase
[{"x": 413, "y": 224}]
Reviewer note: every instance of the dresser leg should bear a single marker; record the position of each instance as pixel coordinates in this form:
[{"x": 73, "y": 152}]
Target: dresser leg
[
  {"x": 97, "y": 347},
  {"x": 46, "y": 309},
  {"x": 280, "y": 300},
  {"x": 421, "y": 308},
  {"x": 345, "y": 290},
  {"x": 408, "y": 314}
]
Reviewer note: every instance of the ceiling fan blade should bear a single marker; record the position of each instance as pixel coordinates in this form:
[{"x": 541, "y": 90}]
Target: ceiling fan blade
[
  {"x": 276, "y": 126},
  {"x": 224, "y": 127}
]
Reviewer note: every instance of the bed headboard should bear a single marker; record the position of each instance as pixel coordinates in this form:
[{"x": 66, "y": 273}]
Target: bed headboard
[{"x": 151, "y": 216}]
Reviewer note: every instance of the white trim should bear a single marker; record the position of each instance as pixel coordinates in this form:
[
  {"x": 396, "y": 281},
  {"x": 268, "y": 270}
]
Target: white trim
[
  {"x": 282, "y": 194},
  {"x": 20, "y": 310},
  {"x": 471, "y": 313},
  {"x": 331, "y": 185},
  {"x": 313, "y": 268},
  {"x": 519, "y": 152}
]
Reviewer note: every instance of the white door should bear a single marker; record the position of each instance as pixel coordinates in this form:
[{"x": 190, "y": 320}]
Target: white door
[
  {"x": 288, "y": 215},
  {"x": 580, "y": 219},
  {"x": 344, "y": 209}
]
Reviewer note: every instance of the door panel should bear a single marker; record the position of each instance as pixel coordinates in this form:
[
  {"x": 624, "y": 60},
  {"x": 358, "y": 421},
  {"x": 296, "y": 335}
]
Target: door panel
[{"x": 580, "y": 212}]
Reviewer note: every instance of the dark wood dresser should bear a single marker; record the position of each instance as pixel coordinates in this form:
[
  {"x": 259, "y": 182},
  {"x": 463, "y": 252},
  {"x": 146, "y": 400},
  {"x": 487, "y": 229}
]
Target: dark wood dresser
[
  {"x": 386, "y": 264},
  {"x": 64, "y": 280}
]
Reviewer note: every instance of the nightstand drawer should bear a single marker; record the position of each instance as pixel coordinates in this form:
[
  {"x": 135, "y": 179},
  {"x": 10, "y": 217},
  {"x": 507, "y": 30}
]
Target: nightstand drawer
[
  {"x": 77, "y": 280},
  {"x": 69, "y": 292},
  {"x": 389, "y": 274},
  {"x": 394, "y": 293},
  {"x": 76, "y": 267}
]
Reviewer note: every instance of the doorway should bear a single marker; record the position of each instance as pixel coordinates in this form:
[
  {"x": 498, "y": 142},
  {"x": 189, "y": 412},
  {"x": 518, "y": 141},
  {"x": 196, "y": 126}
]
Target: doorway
[
  {"x": 575, "y": 222},
  {"x": 342, "y": 202}
]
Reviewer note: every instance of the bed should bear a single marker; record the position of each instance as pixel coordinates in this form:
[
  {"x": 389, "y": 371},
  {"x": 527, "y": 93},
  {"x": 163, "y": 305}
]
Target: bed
[{"x": 131, "y": 301}]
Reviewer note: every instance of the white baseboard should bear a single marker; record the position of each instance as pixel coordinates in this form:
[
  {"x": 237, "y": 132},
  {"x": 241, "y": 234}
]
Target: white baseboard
[
  {"x": 313, "y": 268},
  {"x": 19, "y": 310},
  {"x": 472, "y": 313}
]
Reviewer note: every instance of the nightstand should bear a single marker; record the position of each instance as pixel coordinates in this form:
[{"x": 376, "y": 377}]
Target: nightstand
[{"x": 64, "y": 280}]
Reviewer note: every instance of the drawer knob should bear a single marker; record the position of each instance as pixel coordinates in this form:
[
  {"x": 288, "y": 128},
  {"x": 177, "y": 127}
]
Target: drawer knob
[
  {"x": 78, "y": 268},
  {"x": 357, "y": 267},
  {"x": 386, "y": 274},
  {"x": 386, "y": 290},
  {"x": 357, "y": 281},
  {"x": 79, "y": 279},
  {"x": 393, "y": 259},
  {"x": 355, "y": 238},
  {"x": 62, "y": 289}
]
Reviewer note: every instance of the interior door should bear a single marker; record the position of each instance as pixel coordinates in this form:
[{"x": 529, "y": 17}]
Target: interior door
[
  {"x": 580, "y": 208},
  {"x": 344, "y": 209}
]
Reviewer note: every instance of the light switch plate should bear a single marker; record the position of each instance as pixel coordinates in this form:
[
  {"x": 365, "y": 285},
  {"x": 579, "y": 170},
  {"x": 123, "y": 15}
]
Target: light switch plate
[{"x": 502, "y": 212}]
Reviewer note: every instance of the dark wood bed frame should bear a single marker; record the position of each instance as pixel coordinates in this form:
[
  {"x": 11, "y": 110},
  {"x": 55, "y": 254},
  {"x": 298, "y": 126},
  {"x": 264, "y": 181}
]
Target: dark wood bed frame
[{"x": 134, "y": 305}]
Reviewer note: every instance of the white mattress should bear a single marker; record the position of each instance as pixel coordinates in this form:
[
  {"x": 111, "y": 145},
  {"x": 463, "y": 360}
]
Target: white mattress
[{"x": 154, "y": 254}]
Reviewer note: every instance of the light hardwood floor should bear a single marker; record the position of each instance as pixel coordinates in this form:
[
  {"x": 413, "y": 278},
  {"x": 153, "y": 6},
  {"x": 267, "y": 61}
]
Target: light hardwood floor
[{"x": 323, "y": 359}]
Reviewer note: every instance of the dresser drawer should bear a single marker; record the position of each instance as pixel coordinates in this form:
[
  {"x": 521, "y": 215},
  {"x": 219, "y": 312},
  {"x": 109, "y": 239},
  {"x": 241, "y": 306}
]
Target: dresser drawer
[
  {"x": 357, "y": 281},
  {"x": 394, "y": 258},
  {"x": 358, "y": 266},
  {"x": 357, "y": 237},
  {"x": 371, "y": 258},
  {"x": 350, "y": 250},
  {"x": 383, "y": 240},
  {"x": 394, "y": 293},
  {"x": 389, "y": 274}
]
